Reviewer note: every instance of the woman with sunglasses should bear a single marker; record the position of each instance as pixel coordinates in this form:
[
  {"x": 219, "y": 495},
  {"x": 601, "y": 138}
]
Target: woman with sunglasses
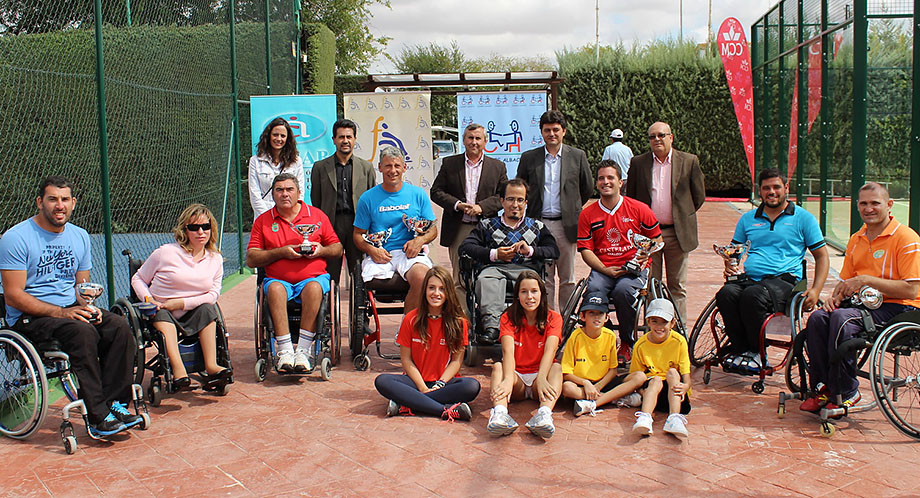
[
  {"x": 183, "y": 279},
  {"x": 276, "y": 153}
]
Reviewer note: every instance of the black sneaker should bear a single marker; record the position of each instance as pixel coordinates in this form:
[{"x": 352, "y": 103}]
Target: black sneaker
[
  {"x": 489, "y": 336},
  {"x": 110, "y": 425},
  {"x": 120, "y": 412}
]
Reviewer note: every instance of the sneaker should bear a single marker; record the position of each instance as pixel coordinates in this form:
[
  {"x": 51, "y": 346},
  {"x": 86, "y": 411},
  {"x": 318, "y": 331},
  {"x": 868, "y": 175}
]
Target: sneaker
[
  {"x": 109, "y": 425},
  {"x": 406, "y": 411},
  {"x": 624, "y": 354},
  {"x": 284, "y": 361},
  {"x": 643, "y": 425},
  {"x": 457, "y": 411},
  {"x": 501, "y": 424},
  {"x": 676, "y": 424},
  {"x": 815, "y": 403},
  {"x": 847, "y": 402},
  {"x": 541, "y": 424},
  {"x": 586, "y": 407},
  {"x": 392, "y": 409},
  {"x": 303, "y": 361},
  {"x": 631, "y": 400},
  {"x": 120, "y": 411}
]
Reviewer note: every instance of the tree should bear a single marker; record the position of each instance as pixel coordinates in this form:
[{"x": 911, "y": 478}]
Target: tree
[{"x": 355, "y": 45}]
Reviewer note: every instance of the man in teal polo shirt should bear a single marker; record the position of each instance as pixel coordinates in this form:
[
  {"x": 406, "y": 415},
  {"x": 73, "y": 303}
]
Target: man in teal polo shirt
[{"x": 779, "y": 232}]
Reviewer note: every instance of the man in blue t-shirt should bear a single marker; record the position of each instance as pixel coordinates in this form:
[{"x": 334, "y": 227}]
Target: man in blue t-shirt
[
  {"x": 42, "y": 259},
  {"x": 384, "y": 215},
  {"x": 779, "y": 232}
]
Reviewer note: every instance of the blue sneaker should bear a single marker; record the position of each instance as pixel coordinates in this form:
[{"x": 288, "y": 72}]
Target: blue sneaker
[
  {"x": 120, "y": 412},
  {"x": 110, "y": 425}
]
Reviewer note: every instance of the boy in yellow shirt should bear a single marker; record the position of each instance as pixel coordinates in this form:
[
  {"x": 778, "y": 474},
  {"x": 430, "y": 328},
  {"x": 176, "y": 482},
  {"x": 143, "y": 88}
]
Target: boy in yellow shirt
[
  {"x": 662, "y": 356},
  {"x": 589, "y": 363}
]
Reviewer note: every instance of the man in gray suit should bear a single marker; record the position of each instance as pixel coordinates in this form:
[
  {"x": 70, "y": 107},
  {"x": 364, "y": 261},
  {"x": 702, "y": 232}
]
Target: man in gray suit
[
  {"x": 337, "y": 183},
  {"x": 468, "y": 188},
  {"x": 671, "y": 183},
  {"x": 560, "y": 184}
]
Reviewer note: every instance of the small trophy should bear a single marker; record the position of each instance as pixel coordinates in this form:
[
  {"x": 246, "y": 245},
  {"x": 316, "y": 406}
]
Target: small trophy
[
  {"x": 644, "y": 247},
  {"x": 867, "y": 297},
  {"x": 417, "y": 226},
  {"x": 733, "y": 253},
  {"x": 90, "y": 292},
  {"x": 377, "y": 239},
  {"x": 306, "y": 248}
]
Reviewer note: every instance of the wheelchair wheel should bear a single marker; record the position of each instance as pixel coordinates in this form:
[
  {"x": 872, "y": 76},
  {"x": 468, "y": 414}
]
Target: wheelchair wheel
[
  {"x": 708, "y": 335},
  {"x": 23, "y": 387},
  {"x": 570, "y": 314},
  {"x": 894, "y": 376},
  {"x": 357, "y": 314},
  {"x": 796, "y": 371},
  {"x": 123, "y": 307},
  {"x": 660, "y": 290},
  {"x": 336, "y": 328},
  {"x": 471, "y": 356}
]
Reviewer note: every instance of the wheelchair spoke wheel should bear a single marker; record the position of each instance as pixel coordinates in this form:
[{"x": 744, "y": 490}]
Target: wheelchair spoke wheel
[
  {"x": 570, "y": 314},
  {"x": 23, "y": 387},
  {"x": 708, "y": 335},
  {"x": 661, "y": 291},
  {"x": 895, "y": 376},
  {"x": 358, "y": 314},
  {"x": 796, "y": 371},
  {"x": 336, "y": 328},
  {"x": 123, "y": 307}
]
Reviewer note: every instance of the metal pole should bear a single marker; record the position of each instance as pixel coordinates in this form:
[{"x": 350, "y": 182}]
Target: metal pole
[
  {"x": 128, "y": 7},
  {"x": 681, "y": 21},
  {"x": 913, "y": 217},
  {"x": 235, "y": 91},
  {"x": 767, "y": 119},
  {"x": 299, "y": 59},
  {"x": 825, "y": 117},
  {"x": 860, "y": 108},
  {"x": 782, "y": 127},
  {"x": 802, "y": 131},
  {"x": 758, "y": 91},
  {"x": 104, "y": 156},
  {"x": 268, "y": 51},
  {"x": 597, "y": 31}
]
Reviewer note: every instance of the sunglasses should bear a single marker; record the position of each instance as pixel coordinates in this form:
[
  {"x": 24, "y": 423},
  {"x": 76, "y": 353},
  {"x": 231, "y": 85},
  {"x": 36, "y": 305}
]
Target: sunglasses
[
  {"x": 660, "y": 135},
  {"x": 194, "y": 227}
]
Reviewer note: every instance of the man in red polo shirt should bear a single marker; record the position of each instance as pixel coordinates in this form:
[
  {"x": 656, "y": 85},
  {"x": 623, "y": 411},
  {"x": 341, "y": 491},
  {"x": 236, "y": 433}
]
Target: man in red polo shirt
[{"x": 295, "y": 267}]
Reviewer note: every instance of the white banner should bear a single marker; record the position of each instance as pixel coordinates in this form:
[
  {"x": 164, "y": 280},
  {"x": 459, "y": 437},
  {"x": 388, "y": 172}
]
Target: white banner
[{"x": 399, "y": 119}]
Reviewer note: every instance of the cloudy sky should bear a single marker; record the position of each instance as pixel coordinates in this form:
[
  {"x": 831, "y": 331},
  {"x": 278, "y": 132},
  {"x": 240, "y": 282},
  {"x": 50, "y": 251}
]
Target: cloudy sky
[{"x": 527, "y": 28}]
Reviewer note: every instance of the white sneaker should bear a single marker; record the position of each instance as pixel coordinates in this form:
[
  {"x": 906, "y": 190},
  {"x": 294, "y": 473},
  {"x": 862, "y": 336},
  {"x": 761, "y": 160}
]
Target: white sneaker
[
  {"x": 541, "y": 424},
  {"x": 392, "y": 409},
  {"x": 676, "y": 425},
  {"x": 643, "y": 425},
  {"x": 586, "y": 407},
  {"x": 284, "y": 361},
  {"x": 632, "y": 400},
  {"x": 501, "y": 424},
  {"x": 303, "y": 361}
]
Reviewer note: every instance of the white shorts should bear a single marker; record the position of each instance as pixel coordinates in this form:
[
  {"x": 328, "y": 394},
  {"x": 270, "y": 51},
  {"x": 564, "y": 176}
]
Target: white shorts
[
  {"x": 399, "y": 263},
  {"x": 528, "y": 379}
]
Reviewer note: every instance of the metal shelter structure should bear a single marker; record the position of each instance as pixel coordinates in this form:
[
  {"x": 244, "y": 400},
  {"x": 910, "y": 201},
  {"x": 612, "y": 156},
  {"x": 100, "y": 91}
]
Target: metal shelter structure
[{"x": 457, "y": 82}]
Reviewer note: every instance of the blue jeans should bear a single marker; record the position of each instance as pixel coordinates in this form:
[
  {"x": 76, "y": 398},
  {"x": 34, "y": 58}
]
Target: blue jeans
[{"x": 624, "y": 292}]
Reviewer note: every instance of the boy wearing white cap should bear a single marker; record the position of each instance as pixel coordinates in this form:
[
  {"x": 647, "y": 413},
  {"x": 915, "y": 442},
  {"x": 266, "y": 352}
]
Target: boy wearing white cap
[{"x": 663, "y": 356}]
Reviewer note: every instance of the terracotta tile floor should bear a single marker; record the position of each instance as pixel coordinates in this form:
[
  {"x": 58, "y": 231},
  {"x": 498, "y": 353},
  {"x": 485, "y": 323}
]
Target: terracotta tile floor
[{"x": 309, "y": 437}]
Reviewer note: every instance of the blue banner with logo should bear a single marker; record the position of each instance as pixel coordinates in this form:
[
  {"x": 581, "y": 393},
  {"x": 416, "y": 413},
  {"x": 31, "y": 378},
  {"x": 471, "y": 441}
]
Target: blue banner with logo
[
  {"x": 511, "y": 121},
  {"x": 311, "y": 118}
]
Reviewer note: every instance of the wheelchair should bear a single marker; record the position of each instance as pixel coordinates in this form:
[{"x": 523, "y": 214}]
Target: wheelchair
[
  {"x": 326, "y": 348},
  {"x": 892, "y": 353},
  {"x": 30, "y": 377},
  {"x": 708, "y": 342},
  {"x": 364, "y": 305},
  {"x": 139, "y": 316}
]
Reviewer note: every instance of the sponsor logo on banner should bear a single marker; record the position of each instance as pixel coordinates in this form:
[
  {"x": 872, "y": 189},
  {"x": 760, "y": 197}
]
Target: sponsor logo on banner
[
  {"x": 736, "y": 60},
  {"x": 510, "y": 121},
  {"x": 306, "y": 127}
]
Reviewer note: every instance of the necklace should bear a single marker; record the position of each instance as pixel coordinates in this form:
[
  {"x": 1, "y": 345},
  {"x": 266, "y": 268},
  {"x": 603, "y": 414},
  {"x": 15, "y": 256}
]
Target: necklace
[{"x": 433, "y": 317}]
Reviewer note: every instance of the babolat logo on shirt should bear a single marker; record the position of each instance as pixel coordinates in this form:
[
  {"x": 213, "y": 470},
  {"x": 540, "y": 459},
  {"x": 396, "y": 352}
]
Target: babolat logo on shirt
[{"x": 398, "y": 207}]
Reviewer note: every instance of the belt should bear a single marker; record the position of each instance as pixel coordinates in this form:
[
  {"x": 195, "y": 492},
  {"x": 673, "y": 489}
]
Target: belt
[
  {"x": 665, "y": 226},
  {"x": 552, "y": 218}
]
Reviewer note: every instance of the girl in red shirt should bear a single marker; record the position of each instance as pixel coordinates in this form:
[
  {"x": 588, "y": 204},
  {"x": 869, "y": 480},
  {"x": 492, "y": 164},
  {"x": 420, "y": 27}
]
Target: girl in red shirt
[
  {"x": 431, "y": 341},
  {"x": 529, "y": 332}
]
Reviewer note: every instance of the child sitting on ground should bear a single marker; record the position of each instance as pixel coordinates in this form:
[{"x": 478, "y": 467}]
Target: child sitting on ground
[
  {"x": 663, "y": 356},
  {"x": 589, "y": 363}
]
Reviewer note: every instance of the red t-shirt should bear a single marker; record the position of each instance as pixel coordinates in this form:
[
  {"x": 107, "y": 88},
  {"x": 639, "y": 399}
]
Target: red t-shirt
[
  {"x": 528, "y": 343},
  {"x": 606, "y": 233},
  {"x": 432, "y": 361},
  {"x": 271, "y": 231}
]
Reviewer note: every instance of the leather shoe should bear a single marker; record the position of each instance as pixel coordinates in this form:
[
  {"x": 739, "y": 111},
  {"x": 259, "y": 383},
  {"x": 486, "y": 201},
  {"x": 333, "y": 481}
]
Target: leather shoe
[{"x": 489, "y": 336}]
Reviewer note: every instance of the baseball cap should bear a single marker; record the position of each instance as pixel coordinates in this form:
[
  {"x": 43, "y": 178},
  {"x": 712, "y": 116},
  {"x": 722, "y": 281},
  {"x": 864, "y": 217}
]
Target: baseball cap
[
  {"x": 617, "y": 133},
  {"x": 596, "y": 301},
  {"x": 662, "y": 308}
]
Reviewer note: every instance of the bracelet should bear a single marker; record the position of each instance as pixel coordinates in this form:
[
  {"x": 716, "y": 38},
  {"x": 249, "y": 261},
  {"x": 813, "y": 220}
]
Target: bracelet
[{"x": 439, "y": 384}]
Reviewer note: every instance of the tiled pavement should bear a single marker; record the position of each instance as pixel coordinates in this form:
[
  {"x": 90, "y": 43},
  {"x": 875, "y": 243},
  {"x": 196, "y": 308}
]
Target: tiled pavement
[{"x": 310, "y": 437}]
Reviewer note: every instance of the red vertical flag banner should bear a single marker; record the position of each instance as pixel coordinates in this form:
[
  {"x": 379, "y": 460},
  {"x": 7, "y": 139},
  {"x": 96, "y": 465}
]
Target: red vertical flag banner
[{"x": 736, "y": 60}]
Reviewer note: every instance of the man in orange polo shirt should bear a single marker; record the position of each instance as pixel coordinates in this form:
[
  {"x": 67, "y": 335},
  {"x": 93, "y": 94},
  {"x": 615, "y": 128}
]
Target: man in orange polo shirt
[
  {"x": 295, "y": 267},
  {"x": 883, "y": 254}
]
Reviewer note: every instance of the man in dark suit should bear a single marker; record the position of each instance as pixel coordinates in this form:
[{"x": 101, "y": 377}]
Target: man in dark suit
[
  {"x": 337, "y": 183},
  {"x": 560, "y": 184},
  {"x": 468, "y": 188},
  {"x": 671, "y": 183}
]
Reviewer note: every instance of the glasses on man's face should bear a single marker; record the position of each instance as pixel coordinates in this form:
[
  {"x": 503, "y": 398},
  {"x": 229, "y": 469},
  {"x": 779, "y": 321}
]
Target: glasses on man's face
[
  {"x": 653, "y": 136},
  {"x": 194, "y": 227},
  {"x": 515, "y": 200}
]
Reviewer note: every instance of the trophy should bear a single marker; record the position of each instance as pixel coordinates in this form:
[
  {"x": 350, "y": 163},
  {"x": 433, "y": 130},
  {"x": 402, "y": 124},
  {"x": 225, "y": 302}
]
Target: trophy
[
  {"x": 90, "y": 292},
  {"x": 733, "y": 253},
  {"x": 377, "y": 239},
  {"x": 867, "y": 297},
  {"x": 417, "y": 226},
  {"x": 644, "y": 247},
  {"x": 306, "y": 248}
]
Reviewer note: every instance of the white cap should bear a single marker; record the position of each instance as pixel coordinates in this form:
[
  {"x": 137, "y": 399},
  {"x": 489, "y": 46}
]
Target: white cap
[
  {"x": 617, "y": 133},
  {"x": 662, "y": 308}
]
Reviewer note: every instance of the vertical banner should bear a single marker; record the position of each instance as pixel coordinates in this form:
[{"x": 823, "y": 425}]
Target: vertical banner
[
  {"x": 311, "y": 118},
  {"x": 399, "y": 119},
  {"x": 736, "y": 60},
  {"x": 511, "y": 121}
]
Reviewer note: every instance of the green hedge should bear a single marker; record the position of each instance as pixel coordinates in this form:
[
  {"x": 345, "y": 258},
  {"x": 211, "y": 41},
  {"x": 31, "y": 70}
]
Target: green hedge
[{"x": 318, "y": 44}]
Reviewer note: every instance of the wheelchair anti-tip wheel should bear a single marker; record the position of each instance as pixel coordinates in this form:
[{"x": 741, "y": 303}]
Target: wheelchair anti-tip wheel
[
  {"x": 325, "y": 369},
  {"x": 362, "y": 362},
  {"x": 154, "y": 393},
  {"x": 261, "y": 369}
]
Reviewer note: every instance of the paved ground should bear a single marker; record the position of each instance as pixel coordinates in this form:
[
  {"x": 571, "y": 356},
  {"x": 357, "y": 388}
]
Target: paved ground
[{"x": 310, "y": 437}]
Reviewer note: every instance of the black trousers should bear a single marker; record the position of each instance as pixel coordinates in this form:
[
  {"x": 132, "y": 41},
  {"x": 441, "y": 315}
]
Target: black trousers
[
  {"x": 344, "y": 229},
  {"x": 101, "y": 356},
  {"x": 745, "y": 305},
  {"x": 403, "y": 391}
]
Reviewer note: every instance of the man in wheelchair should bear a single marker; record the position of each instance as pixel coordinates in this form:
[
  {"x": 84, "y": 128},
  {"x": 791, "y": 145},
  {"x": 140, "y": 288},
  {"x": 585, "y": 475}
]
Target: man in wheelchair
[
  {"x": 506, "y": 245},
  {"x": 604, "y": 241},
  {"x": 883, "y": 254},
  {"x": 394, "y": 223},
  {"x": 779, "y": 232},
  {"x": 42, "y": 260},
  {"x": 292, "y": 242}
]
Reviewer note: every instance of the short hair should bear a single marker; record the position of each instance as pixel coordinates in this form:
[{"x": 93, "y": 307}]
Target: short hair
[
  {"x": 608, "y": 163},
  {"x": 344, "y": 123},
  {"x": 515, "y": 182},
  {"x": 474, "y": 127},
  {"x": 390, "y": 151},
  {"x": 54, "y": 181},
  {"x": 285, "y": 176},
  {"x": 771, "y": 173},
  {"x": 552, "y": 117},
  {"x": 187, "y": 215},
  {"x": 877, "y": 187}
]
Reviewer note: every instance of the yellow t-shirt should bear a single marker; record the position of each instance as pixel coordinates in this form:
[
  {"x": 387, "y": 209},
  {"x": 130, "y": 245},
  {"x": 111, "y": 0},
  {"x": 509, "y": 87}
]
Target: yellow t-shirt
[
  {"x": 656, "y": 359},
  {"x": 590, "y": 358}
]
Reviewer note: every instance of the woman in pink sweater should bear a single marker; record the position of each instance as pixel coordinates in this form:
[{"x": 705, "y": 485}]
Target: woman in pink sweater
[{"x": 183, "y": 279}]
